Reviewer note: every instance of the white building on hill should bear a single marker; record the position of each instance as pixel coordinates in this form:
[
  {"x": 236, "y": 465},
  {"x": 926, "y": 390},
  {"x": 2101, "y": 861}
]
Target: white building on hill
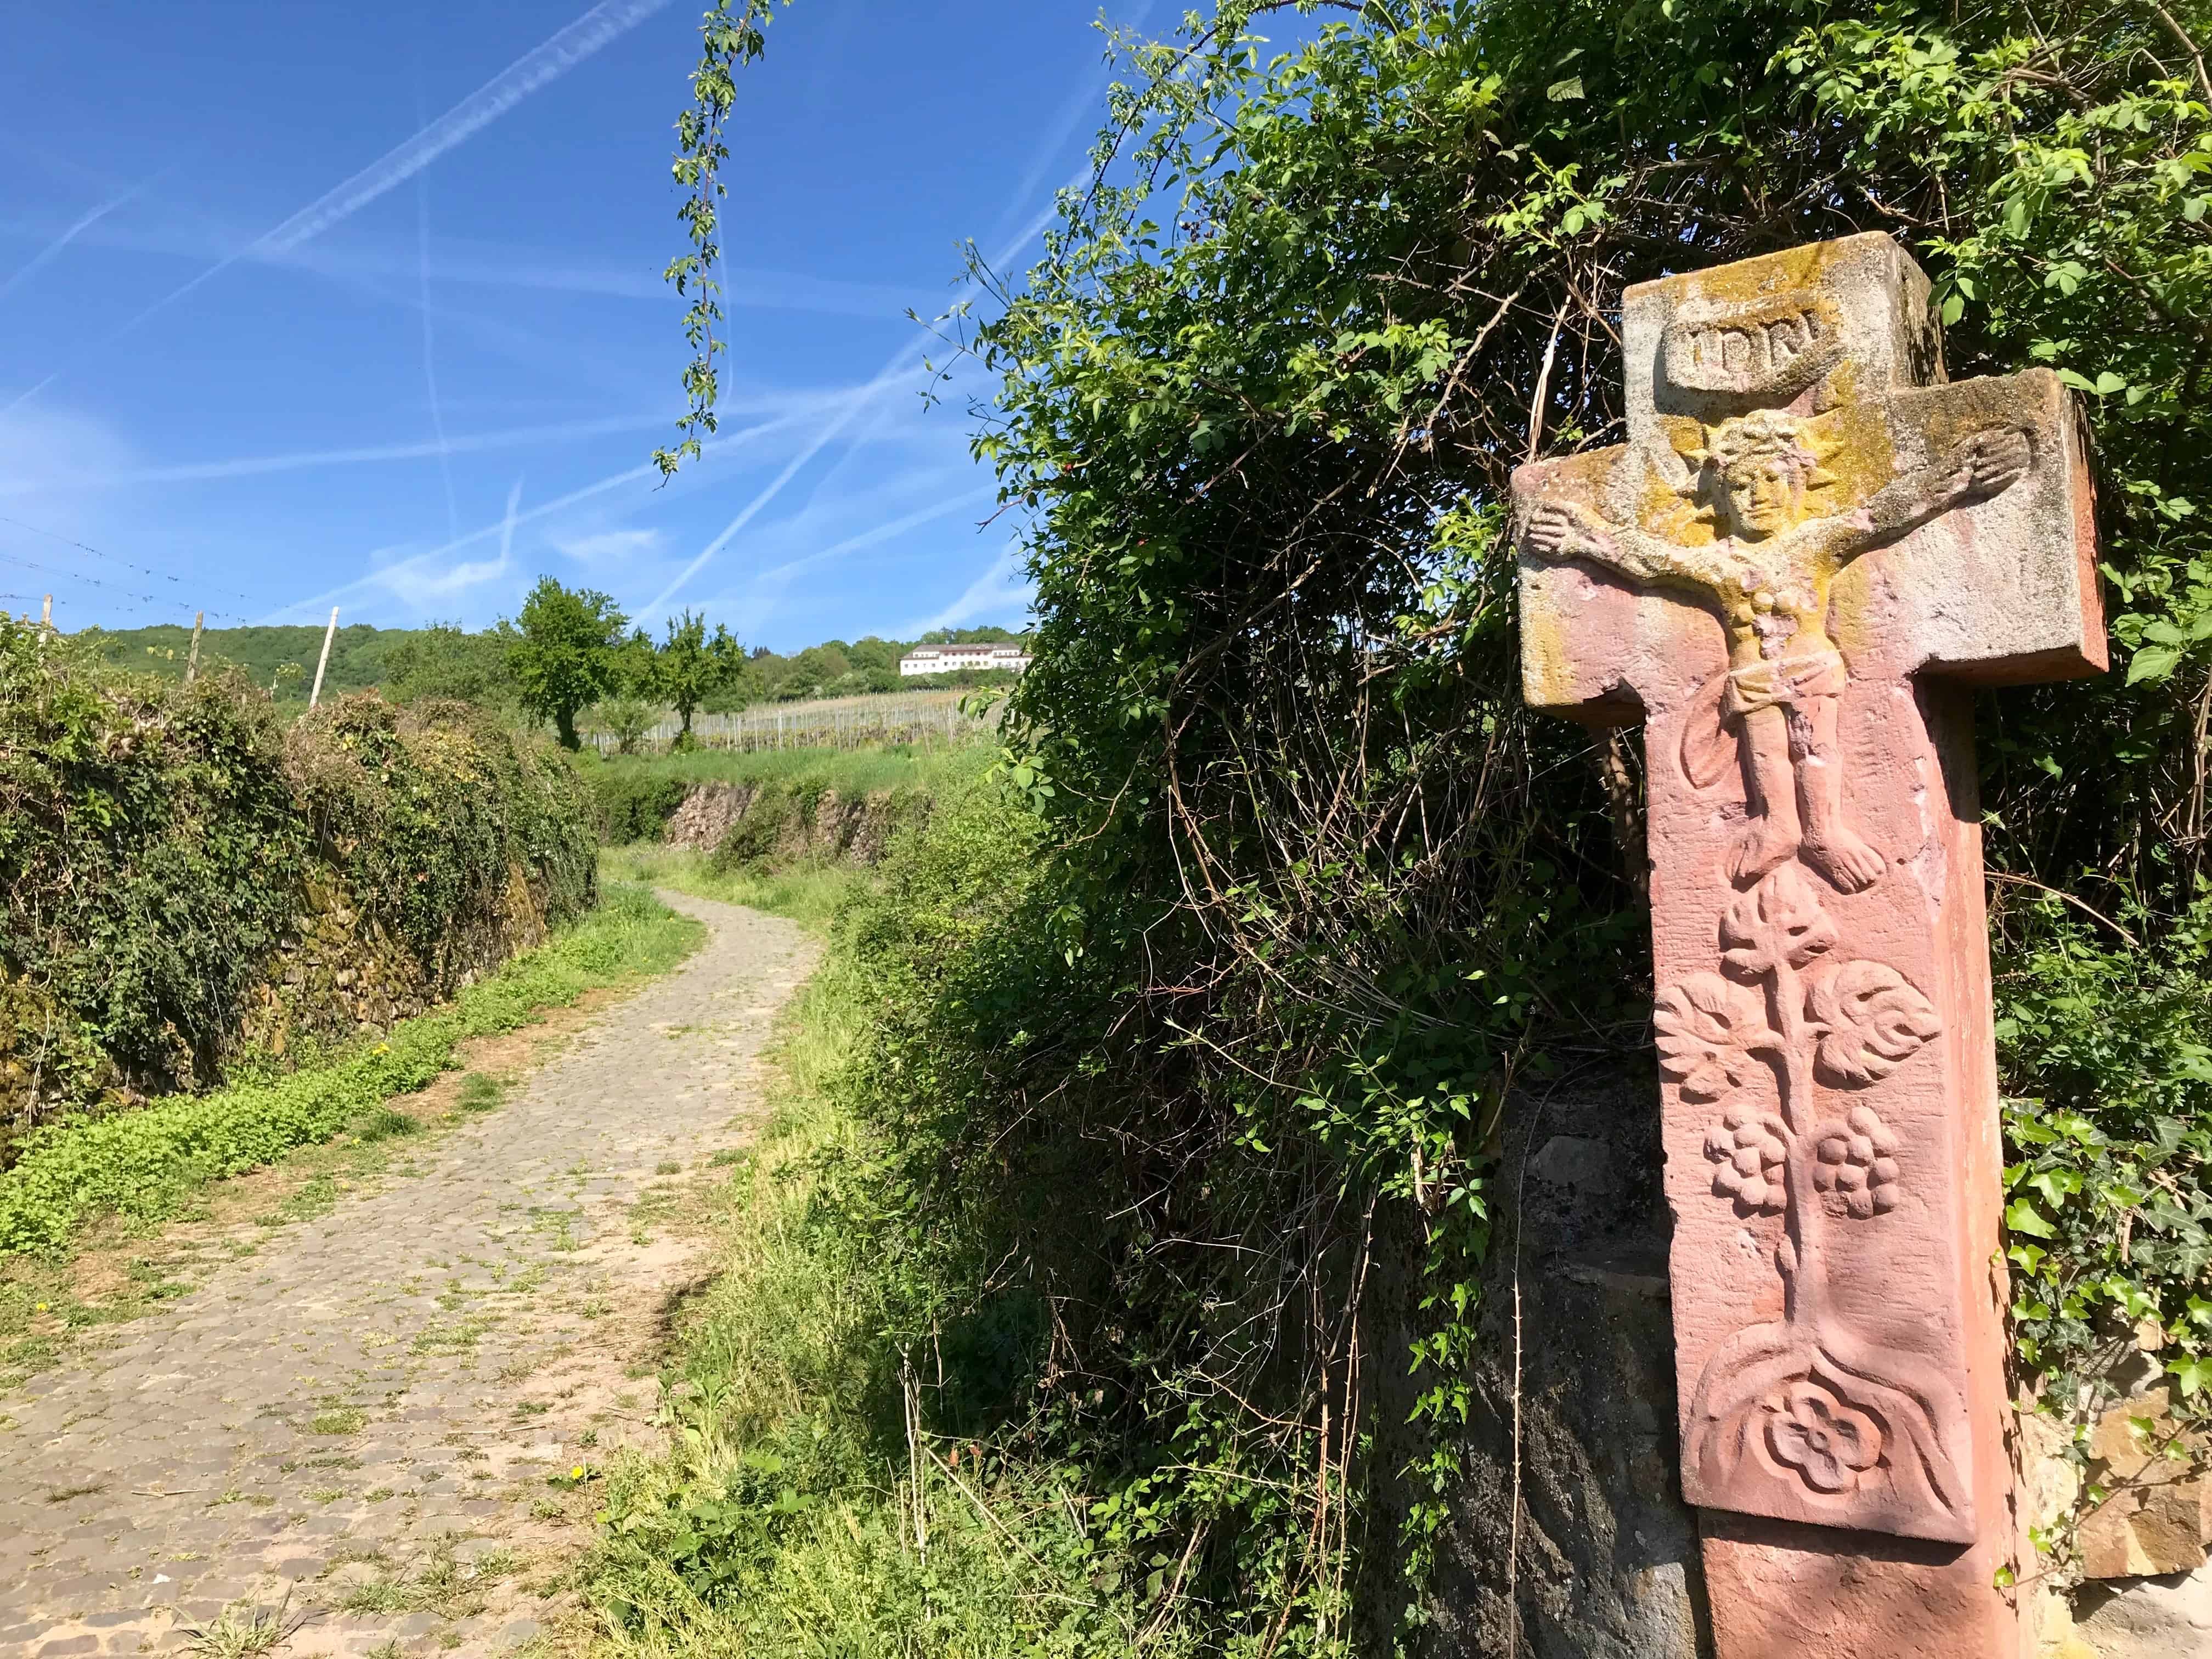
[{"x": 950, "y": 659}]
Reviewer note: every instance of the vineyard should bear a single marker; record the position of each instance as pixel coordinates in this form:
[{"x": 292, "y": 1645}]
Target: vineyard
[{"x": 919, "y": 717}]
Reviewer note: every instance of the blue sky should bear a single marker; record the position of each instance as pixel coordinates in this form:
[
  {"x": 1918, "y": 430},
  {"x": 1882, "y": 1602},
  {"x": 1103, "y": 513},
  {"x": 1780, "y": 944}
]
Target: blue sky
[{"x": 306, "y": 304}]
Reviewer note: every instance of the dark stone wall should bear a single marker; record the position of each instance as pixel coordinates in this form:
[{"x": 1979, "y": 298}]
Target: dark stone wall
[{"x": 1605, "y": 1554}]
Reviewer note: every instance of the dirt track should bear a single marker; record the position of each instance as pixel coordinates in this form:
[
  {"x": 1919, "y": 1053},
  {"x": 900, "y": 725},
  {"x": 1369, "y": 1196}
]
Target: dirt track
[{"x": 361, "y": 1421}]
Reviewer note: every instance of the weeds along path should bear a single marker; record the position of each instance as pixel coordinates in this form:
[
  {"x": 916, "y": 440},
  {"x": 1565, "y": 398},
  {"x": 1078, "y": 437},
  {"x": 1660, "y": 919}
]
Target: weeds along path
[{"x": 371, "y": 1423}]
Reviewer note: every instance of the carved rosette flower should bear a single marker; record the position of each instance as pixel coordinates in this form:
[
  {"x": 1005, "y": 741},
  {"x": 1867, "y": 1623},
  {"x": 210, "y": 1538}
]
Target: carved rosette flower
[
  {"x": 1856, "y": 1157},
  {"x": 1779, "y": 923},
  {"x": 1708, "y": 1031},
  {"x": 1827, "y": 1442},
  {"x": 1752, "y": 1152},
  {"x": 1870, "y": 1020}
]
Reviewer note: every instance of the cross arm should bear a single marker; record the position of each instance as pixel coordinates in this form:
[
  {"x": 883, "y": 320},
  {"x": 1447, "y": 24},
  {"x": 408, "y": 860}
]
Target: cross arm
[
  {"x": 1601, "y": 635},
  {"x": 1994, "y": 576}
]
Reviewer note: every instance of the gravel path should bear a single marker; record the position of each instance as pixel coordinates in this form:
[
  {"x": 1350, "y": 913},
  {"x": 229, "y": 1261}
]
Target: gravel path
[{"x": 363, "y": 1416}]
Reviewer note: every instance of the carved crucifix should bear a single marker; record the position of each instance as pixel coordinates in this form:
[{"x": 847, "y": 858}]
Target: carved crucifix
[{"x": 1806, "y": 552}]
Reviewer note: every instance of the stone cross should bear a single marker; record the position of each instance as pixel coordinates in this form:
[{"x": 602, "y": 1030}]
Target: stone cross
[{"x": 1808, "y": 550}]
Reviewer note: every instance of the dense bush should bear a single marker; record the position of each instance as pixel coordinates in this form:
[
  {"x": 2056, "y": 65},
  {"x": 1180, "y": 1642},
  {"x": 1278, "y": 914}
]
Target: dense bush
[
  {"x": 163, "y": 850},
  {"x": 634, "y": 802}
]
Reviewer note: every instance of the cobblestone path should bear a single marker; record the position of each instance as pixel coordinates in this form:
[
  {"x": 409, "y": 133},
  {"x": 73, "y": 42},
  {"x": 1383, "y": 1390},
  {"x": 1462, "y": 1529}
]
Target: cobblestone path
[{"x": 357, "y": 1423}]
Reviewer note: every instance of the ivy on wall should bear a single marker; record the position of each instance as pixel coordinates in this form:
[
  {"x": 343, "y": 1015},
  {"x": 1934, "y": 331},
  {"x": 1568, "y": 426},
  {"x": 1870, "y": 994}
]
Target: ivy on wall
[{"x": 166, "y": 852}]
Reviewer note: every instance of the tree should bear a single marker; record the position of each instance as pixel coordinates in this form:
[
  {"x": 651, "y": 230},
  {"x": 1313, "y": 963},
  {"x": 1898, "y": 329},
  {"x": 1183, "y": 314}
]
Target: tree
[
  {"x": 692, "y": 665},
  {"x": 443, "y": 661},
  {"x": 562, "y": 652},
  {"x": 630, "y": 719}
]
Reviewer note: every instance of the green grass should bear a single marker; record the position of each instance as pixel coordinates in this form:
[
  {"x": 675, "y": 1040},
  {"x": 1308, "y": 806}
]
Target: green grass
[
  {"x": 144, "y": 1165},
  {"x": 848, "y": 771},
  {"x": 783, "y": 1517},
  {"x": 809, "y": 896}
]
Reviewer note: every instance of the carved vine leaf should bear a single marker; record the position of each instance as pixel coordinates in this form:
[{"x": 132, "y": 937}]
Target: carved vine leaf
[
  {"x": 1708, "y": 1031},
  {"x": 1870, "y": 1020},
  {"x": 1779, "y": 922}
]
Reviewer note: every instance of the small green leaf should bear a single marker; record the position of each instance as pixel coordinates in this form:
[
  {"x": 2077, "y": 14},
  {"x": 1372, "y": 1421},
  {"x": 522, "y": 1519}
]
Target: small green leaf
[
  {"x": 2152, "y": 662},
  {"x": 2022, "y": 1217}
]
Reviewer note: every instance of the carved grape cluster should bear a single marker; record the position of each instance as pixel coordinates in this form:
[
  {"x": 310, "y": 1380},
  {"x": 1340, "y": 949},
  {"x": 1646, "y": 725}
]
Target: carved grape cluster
[
  {"x": 1750, "y": 1150},
  {"x": 1863, "y": 1019},
  {"x": 1856, "y": 1159}
]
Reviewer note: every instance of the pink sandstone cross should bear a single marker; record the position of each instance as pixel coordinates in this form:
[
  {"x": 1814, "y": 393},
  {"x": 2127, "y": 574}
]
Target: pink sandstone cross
[{"x": 1808, "y": 550}]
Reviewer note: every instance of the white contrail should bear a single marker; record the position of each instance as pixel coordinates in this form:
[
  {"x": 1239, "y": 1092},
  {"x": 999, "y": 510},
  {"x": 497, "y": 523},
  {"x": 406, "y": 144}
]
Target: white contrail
[
  {"x": 613, "y": 482},
  {"x": 605, "y": 23},
  {"x": 882, "y": 532},
  {"x": 976, "y": 598},
  {"x": 853, "y": 405},
  {"x": 430, "y": 354},
  {"x": 864, "y": 397},
  {"x": 900, "y": 360},
  {"x": 46, "y": 254},
  {"x": 248, "y": 467},
  {"x": 598, "y": 28}
]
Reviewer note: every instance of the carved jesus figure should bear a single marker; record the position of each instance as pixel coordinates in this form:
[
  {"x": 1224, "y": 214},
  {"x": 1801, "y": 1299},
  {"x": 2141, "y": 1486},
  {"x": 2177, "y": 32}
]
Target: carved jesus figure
[{"x": 1770, "y": 569}]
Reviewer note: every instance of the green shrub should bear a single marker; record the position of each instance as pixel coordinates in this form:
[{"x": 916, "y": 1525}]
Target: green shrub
[
  {"x": 748, "y": 845},
  {"x": 636, "y": 804},
  {"x": 162, "y": 848},
  {"x": 829, "y": 1489}
]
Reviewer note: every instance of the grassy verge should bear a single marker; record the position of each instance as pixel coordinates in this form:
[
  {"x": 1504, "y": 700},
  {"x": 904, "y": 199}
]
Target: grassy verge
[
  {"x": 144, "y": 1166},
  {"x": 801, "y": 1511},
  {"x": 848, "y": 771},
  {"x": 808, "y": 895}
]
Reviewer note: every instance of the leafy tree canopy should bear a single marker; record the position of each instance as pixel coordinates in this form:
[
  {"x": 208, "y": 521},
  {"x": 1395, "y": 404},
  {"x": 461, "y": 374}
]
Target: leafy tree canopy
[
  {"x": 692, "y": 665},
  {"x": 562, "y": 653}
]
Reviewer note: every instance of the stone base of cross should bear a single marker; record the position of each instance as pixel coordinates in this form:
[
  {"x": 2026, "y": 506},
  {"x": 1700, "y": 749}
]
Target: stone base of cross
[{"x": 1808, "y": 551}]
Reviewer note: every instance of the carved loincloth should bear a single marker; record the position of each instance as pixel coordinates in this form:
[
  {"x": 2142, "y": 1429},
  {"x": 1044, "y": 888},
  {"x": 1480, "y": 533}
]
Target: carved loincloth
[{"x": 1785, "y": 683}]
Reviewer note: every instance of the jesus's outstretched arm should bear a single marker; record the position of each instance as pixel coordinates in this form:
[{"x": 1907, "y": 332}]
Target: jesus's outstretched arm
[
  {"x": 1986, "y": 464},
  {"x": 1562, "y": 530}
]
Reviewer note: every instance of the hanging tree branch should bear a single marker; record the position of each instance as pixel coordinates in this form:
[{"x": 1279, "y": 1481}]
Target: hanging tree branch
[{"x": 734, "y": 34}]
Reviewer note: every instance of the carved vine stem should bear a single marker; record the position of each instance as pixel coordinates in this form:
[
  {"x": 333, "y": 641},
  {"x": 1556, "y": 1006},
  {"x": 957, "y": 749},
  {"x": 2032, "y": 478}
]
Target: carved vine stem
[{"x": 1799, "y": 1256}]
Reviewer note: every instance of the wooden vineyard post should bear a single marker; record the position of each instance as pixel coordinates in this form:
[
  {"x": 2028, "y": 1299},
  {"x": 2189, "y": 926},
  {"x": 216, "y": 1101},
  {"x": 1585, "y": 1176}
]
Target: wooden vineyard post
[{"x": 323, "y": 662}]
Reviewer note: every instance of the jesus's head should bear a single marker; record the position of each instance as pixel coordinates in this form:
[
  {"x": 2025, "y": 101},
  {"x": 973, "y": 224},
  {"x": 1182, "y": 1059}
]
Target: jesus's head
[{"x": 1760, "y": 466}]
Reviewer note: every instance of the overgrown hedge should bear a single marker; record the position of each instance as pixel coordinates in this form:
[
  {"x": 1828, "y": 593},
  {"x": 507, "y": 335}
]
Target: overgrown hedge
[{"x": 187, "y": 883}]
